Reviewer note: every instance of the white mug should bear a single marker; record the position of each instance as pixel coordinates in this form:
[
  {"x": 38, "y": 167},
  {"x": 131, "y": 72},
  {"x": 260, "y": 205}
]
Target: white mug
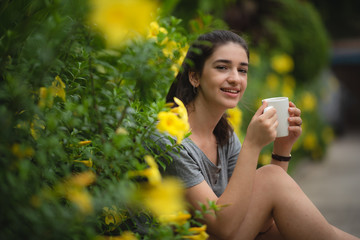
[{"x": 281, "y": 104}]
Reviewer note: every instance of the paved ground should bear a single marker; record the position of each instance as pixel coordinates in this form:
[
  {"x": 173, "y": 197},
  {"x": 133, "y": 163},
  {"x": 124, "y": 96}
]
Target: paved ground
[{"x": 334, "y": 184}]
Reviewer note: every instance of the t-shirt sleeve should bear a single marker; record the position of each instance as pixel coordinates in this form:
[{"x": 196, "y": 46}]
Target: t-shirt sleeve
[
  {"x": 233, "y": 153},
  {"x": 183, "y": 164}
]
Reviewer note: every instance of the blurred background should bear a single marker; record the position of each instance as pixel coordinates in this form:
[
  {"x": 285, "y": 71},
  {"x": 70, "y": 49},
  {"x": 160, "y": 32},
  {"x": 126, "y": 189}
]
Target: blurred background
[
  {"x": 82, "y": 83},
  {"x": 343, "y": 26}
]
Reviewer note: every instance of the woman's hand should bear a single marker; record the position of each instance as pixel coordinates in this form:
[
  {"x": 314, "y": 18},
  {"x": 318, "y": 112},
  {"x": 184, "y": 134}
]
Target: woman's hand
[
  {"x": 262, "y": 128},
  {"x": 283, "y": 145}
]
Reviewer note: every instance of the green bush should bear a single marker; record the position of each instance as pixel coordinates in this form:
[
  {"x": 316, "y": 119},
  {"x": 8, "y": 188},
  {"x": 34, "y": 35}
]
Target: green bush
[{"x": 76, "y": 119}]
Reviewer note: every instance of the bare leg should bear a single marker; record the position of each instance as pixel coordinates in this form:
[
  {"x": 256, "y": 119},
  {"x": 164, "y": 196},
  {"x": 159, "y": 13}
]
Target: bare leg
[
  {"x": 343, "y": 235},
  {"x": 277, "y": 196},
  {"x": 273, "y": 234}
]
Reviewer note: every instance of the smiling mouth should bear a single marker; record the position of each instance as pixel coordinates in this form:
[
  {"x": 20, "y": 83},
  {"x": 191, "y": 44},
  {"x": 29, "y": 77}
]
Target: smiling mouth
[{"x": 229, "y": 90}]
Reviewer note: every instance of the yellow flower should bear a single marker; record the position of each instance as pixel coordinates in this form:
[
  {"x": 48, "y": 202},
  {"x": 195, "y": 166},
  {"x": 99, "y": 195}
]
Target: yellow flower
[
  {"x": 200, "y": 233},
  {"x": 282, "y": 63},
  {"x": 180, "y": 109},
  {"x": 81, "y": 198},
  {"x": 123, "y": 20},
  {"x": 308, "y": 102},
  {"x": 155, "y": 29},
  {"x": 113, "y": 217},
  {"x": 121, "y": 131},
  {"x": 81, "y": 179},
  {"x": 310, "y": 141},
  {"x": 74, "y": 190},
  {"x": 174, "y": 122},
  {"x": 46, "y": 95},
  {"x": 22, "y": 151},
  {"x": 165, "y": 198},
  {"x": 272, "y": 81},
  {"x": 179, "y": 218},
  {"x": 83, "y": 143},
  {"x": 235, "y": 119},
  {"x": 176, "y": 66},
  {"x": 168, "y": 122},
  {"x": 35, "y": 125},
  {"x": 170, "y": 47},
  {"x": 183, "y": 52},
  {"x": 45, "y": 98},
  {"x": 152, "y": 173},
  {"x": 57, "y": 88},
  {"x": 88, "y": 163}
]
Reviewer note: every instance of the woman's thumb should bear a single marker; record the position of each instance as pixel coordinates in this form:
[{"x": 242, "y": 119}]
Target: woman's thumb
[{"x": 261, "y": 109}]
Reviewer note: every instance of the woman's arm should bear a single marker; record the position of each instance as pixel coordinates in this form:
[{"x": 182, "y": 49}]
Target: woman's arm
[{"x": 237, "y": 195}]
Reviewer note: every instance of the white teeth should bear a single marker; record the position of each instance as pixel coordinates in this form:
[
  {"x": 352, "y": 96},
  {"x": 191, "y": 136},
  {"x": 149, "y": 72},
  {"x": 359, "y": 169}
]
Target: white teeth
[{"x": 230, "y": 91}]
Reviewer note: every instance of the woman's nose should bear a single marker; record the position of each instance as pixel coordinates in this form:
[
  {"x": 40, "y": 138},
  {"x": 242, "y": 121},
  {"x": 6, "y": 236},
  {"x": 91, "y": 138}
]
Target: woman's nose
[{"x": 234, "y": 76}]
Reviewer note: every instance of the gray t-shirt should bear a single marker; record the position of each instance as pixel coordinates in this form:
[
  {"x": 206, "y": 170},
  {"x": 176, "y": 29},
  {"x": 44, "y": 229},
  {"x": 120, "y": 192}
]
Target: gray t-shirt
[{"x": 192, "y": 166}]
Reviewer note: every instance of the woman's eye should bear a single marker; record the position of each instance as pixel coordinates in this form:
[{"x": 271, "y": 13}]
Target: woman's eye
[
  {"x": 221, "y": 67},
  {"x": 242, "y": 70}
]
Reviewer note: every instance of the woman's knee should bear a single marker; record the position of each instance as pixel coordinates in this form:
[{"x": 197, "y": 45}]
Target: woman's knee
[
  {"x": 272, "y": 178},
  {"x": 271, "y": 173}
]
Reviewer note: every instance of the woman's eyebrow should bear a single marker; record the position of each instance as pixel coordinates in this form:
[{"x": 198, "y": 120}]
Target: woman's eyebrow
[
  {"x": 222, "y": 61},
  {"x": 229, "y": 62}
]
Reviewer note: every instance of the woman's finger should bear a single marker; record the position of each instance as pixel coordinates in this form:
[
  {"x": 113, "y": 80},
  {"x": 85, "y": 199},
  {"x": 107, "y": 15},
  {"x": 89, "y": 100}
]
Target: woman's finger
[
  {"x": 294, "y": 111},
  {"x": 295, "y": 130},
  {"x": 295, "y": 121}
]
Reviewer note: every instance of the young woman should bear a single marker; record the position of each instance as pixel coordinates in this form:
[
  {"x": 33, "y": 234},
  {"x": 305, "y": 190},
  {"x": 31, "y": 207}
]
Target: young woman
[{"x": 262, "y": 203}]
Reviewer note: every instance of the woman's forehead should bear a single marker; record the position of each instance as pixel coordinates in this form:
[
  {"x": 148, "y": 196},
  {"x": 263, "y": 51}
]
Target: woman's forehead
[{"x": 229, "y": 51}]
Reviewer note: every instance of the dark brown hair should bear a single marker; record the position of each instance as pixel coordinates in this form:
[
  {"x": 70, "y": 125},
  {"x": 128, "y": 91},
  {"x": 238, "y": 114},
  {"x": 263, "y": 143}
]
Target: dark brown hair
[{"x": 194, "y": 61}]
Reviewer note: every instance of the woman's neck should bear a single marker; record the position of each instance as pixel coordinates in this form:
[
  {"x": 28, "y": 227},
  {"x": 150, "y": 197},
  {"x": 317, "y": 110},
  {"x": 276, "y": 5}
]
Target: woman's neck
[{"x": 203, "y": 119}]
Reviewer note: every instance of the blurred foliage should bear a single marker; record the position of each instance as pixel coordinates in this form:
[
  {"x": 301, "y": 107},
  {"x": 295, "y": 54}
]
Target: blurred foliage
[
  {"x": 290, "y": 26},
  {"x": 298, "y": 30},
  {"x": 76, "y": 117},
  {"x": 189, "y": 9}
]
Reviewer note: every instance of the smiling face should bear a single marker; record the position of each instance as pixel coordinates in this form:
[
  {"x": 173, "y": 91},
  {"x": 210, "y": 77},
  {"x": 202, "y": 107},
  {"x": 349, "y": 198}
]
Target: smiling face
[{"x": 224, "y": 77}]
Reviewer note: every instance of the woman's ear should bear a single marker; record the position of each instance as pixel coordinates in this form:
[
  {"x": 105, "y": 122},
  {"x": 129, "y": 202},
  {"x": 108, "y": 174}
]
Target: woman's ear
[{"x": 194, "y": 79}]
